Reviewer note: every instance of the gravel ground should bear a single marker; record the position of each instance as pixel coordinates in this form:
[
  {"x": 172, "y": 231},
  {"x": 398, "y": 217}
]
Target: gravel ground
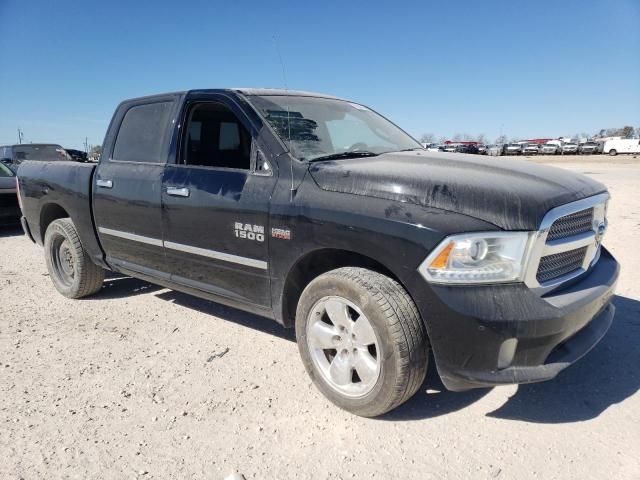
[{"x": 143, "y": 382}]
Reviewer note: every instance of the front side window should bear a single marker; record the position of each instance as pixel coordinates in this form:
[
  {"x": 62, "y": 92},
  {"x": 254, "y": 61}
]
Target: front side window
[
  {"x": 142, "y": 133},
  {"x": 216, "y": 138},
  {"x": 314, "y": 128}
]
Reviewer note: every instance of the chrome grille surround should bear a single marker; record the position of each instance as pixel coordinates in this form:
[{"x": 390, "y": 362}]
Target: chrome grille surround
[{"x": 543, "y": 245}]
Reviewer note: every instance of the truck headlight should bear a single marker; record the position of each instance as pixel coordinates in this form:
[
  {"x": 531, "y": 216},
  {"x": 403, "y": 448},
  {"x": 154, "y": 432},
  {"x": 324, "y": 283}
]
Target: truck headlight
[{"x": 486, "y": 257}]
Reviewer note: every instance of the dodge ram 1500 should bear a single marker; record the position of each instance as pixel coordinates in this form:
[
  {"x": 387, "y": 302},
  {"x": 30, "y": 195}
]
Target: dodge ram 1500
[{"x": 323, "y": 215}]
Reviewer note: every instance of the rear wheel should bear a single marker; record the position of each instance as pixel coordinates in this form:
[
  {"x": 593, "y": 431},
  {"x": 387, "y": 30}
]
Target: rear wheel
[
  {"x": 361, "y": 340},
  {"x": 71, "y": 270},
  {"x": 613, "y": 152}
]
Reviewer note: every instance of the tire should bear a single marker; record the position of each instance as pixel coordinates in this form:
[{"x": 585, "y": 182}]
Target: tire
[
  {"x": 613, "y": 152},
  {"x": 396, "y": 341},
  {"x": 71, "y": 270}
]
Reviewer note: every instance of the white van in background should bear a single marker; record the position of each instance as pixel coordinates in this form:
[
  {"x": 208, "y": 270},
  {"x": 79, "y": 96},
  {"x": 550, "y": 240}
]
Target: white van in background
[{"x": 621, "y": 145}]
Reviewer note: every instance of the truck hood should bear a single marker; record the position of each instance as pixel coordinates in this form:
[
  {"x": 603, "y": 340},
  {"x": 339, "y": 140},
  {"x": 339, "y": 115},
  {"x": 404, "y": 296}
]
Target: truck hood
[{"x": 511, "y": 194}]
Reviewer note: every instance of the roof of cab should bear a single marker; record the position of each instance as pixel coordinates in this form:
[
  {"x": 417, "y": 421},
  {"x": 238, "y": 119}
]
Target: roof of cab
[
  {"x": 32, "y": 145},
  {"x": 243, "y": 91},
  {"x": 280, "y": 92}
]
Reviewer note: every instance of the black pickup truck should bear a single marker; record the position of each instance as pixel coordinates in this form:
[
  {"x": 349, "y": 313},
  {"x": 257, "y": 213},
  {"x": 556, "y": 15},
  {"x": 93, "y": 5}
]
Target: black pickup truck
[{"x": 323, "y": 215}]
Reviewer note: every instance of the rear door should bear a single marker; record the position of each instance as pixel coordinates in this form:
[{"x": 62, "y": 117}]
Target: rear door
[
  {"x": 128, "y": 182},
  {"x": 216, "y": 203}
]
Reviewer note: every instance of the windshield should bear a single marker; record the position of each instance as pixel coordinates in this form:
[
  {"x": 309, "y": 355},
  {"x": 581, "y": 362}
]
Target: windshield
[
  {"x": 315, "y": 127},
  {"x": 39, "y": 152}
]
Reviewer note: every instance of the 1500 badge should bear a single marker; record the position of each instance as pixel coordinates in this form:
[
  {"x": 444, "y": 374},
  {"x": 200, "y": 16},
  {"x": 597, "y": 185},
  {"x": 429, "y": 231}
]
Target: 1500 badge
[{"x": 249, "y": 232}]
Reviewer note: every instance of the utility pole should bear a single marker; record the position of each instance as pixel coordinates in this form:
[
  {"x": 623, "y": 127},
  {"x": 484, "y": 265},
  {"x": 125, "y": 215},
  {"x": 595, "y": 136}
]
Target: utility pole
[
  {"x": 86, "y": 146},
  {"x": 20, "y": 135}
]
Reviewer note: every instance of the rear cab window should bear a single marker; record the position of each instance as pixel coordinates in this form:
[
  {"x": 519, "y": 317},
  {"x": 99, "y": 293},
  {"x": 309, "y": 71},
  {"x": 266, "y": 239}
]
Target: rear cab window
[{"x": 45, "y": 153}]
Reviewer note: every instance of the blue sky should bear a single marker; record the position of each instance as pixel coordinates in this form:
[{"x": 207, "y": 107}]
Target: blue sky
[{"x": 529, "y": 69}]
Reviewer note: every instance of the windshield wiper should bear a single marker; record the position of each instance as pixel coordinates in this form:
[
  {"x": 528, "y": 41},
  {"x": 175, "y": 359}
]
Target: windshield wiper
[
  {"x": 338, "y": 156},
  {"x": 410, "y": 149}
]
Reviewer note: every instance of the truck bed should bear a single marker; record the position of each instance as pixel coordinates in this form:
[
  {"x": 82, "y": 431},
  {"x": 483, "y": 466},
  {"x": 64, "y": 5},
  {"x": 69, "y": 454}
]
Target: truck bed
[{"x": 48, "y": 187}]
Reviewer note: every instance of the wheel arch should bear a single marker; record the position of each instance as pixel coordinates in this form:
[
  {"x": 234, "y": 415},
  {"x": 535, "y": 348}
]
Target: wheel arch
[
  {"x": 50, "y": 212},
  {"x": 315, "y": 263}
]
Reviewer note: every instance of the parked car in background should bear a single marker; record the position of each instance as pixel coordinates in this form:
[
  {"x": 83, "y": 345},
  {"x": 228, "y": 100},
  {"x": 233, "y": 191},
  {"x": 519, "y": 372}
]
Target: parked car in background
[
  {"x": 435, "y": 148},
  {"x": 622, "y": 145},
  {"x": 465, "y": 148},
  {"x": 482, "y": 149},
  {"x": 450, "y": 148},
  {"x": 588, "y": 148},
  {"x": 550, "y": 149},
  {"x": 495, "y": 150},
  {"x": 9, "y": 209},
  {"x": 513, "y": 149},
  {"x": 569, "y": 149},
  {"x": 531, "y": 149},
  {"x": 14, "y": 155},
  {"x": 77, "y": 155}
]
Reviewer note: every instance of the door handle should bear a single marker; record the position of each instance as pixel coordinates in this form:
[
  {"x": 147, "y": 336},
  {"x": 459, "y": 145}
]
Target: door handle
[
  {"x": 178, "y": 191},
  {"x": 104, "y": 183}
]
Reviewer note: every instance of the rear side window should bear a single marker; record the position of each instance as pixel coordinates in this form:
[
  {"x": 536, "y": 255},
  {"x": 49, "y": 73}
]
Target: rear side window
[{"x": 142, "y": 133}]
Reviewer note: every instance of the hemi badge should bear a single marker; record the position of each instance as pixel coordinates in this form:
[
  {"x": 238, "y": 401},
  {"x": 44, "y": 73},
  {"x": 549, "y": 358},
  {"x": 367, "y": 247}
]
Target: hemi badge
[{"x": 281, "y": 233}]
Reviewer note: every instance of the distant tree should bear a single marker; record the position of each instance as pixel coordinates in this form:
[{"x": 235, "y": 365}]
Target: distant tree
[
  {"x": 95, "y": 151},
  {"x": 427, "y": 138},
  {"x": 602, "y": 132},
  {"x": 482, "y": 138},
  {"x": 638, "y": 132},
  {"x": 457, "y": 137},
  {"x": 467, "y": 137},
  {"x": 501, "y": 139},
  {"x": 627, "y": 131},
  {"x": 441, "y": 140}
]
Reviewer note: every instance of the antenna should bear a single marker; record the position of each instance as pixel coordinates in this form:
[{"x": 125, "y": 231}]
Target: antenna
[
  {"x": 284, "y": 74},
  {"x": 286, "y": 88}
]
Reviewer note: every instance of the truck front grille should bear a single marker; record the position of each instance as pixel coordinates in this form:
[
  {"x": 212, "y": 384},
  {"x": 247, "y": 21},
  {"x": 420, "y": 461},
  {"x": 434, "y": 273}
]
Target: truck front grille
[
  {"x": 559, "y": 264},
  {"x": 572, "y": 224},
  {"x": 567, "y": 243}
]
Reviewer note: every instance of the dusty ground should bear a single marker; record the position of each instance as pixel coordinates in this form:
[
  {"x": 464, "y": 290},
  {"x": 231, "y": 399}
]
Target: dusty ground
[{"x": 142, "y": 382}]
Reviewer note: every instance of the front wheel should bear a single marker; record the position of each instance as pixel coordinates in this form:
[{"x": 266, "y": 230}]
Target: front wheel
[
  {"x": 71, "y": 270},
  {"x": 361, "y": 340},
  {"x": 613, "y": 152}
]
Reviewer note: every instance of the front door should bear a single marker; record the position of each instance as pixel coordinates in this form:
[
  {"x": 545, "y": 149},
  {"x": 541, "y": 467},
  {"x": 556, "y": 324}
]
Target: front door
[{"x": 216, "y": 205}]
